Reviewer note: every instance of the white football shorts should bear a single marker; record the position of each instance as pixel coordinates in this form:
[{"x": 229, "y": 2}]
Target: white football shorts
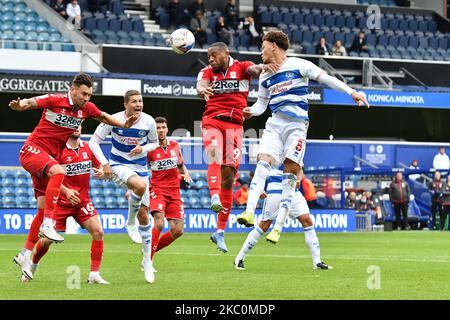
[
  {"x": 284, "y": 138},
  {"x": 299, "y": 206},
  {"x": 122, "y": 173}
]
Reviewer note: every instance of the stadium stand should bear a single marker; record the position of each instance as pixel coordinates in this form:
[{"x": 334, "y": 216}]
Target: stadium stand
[
  {"x": 400, "y": 36},
  {"x": 22, "y": 28}
]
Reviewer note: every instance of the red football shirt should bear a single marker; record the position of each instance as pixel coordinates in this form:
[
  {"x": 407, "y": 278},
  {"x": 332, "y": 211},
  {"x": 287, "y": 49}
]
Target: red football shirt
[
  {"x": 164, "y": 164},
  {"x": 78, "y": 164},
  {"x": 59, "y": 120},
  {"x": 231, "y": 89}
]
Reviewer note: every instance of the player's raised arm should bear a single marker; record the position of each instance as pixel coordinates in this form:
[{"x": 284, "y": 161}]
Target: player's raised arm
[
  {"x": 314, "y": 72},
  {"x": 23, "y": 105},
  {"x": 255, "y": 70},
  {"x": 205, "y": 89},
  {"x": 94, "y": 143},
  {"x": 108, "y": 119}
]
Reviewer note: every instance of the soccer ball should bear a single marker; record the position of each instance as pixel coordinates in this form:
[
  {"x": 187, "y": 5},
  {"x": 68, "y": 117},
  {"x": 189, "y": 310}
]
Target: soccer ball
[{"x": 182, "y": 41}]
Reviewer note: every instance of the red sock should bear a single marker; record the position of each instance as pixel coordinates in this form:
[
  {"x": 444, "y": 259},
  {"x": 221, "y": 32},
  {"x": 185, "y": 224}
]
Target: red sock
[
  {"x": 165, "y": 240},
  {"x": 155, "y": 241},
  {"x": 96, "y": 254},
  {"x": 226, "y": 198},
  {"x": 40, "y": 252},
  {"x": 214, "y": 178},
  {"x": 52, "y": 193},
  {"x": 33, "y": 234}
]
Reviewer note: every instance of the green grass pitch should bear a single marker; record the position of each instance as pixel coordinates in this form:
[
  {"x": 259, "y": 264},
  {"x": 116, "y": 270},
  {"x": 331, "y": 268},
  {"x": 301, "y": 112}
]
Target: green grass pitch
[{"x": 412, "y": 265}]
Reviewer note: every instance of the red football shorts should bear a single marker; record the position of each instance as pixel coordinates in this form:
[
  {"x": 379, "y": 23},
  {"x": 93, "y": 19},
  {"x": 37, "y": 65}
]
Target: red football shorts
[
  {"x": 171, "y": 207},
  {"x": 80, "y": 213},
  {"x": 37, "y": 162},
  {"x": 225, "y": 137}
]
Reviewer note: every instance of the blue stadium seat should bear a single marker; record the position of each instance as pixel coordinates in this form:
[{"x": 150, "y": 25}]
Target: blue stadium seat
[
  {"x": 350, "y": 22},
  {"x": 199, "y": 176},
  {"x": 191, "y": 193},
  {"x": 200, "y": 184},
  {"x": 22, "y": 202},
  {"x": 111, "y": 202},
  {"x": 109, "y": 192},
  {"x": 393, "y": 24},
  {"x": 20, "y": 191},
  {"x": 319, "y": 20},
  {"x": 99, "y": 202},
  {"x": 89, "y": 23},
  {"x": 96, "y": 192},
  {"x": 287, "y": 18},
  {"x": 8, "y": 182},
  {"x": 126, "y": 25},
  {"x": 443, "y": 43},
  {"x": 138, "y": 25},
  {"x": 9, "y": 202},
  {"x": 276, "y": 18},
  {"x": 298, "y": 19},
  {"x": 309, "y": 19},
  {"x": 195, "y": 202},
  {"x": 413, "y": 42},
  {"x": 413, "y": 25},
  {"x": 122, "y": 202},
  {"x": 114, "y": 24},
  {"x": 203, "y": 192},
  {"x": 403, "y": 25},
  {"x": 32, "y": 202},
  {"x": 266, "y": 18},
  {"x": 101, "y": 24},
  {"x": 432, "y": 26},
  {"x": 205, "y": 202},
  {"x": 120, "y": 192}
]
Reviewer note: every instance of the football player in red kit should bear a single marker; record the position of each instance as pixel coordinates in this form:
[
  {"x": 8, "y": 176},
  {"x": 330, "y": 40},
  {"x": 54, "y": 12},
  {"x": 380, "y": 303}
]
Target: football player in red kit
[
  {"x": 224, "y": 84},
  {"x": 77, "y": 160},
  {"x": 62, "y": 115},
  {"x": 166, "y": 164}
]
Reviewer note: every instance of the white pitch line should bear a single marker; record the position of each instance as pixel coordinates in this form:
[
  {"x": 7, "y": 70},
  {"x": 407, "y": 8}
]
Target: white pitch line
[{"x": 441, "y": 259}]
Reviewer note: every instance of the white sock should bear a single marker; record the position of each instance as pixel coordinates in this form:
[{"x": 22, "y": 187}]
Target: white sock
[
  {"x": 134, "y": 203},
  {"x": 93, "y": 273},
  {"x": 313, "y": 243},
  {"x": 287, "y": 194},
  {"x": 146, "y": 234},
  {"x": 26, "y": 253},
  {"x": 257, "y": 185},
  {"x": 48, "y": 222},
  {"x": 249, "y": 243}
]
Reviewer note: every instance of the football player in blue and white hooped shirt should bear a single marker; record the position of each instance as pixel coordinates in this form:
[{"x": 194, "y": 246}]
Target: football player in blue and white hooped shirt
[
  {"x": 299, "y": 210},
  {"x": 127, "y": 164},
  {"x": 284, "y": 139}
]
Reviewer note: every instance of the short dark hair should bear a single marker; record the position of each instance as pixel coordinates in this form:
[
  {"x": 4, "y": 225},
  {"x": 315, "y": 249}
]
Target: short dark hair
[
  {"x": 82, "y": 79},
  {"x": 221, "y": 45},
  {"x": 161, "y": 120},
  {"x": 279, "y": 38},
  {"x": 130, "y": 93}
]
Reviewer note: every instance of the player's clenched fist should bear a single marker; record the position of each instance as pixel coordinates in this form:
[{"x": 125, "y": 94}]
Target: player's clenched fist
[{"x": 247, "y": 113}]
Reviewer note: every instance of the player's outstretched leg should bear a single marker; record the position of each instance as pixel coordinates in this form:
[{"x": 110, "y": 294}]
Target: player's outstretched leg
[
  {"x": 226, "y": 197},
  {"x": 214, "y": 182},
  {"x": 256, "y": 188},
  {"x": 56, "y": 177},
  {"x": 23, "y": 258},
  {"x": 248, "y": 245},
  {"x": 287, "y": 194},
  {"x": 312, "y": 242},
  {"x": 134, "y": 203},
  {"x": 146, "y": 235}
]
